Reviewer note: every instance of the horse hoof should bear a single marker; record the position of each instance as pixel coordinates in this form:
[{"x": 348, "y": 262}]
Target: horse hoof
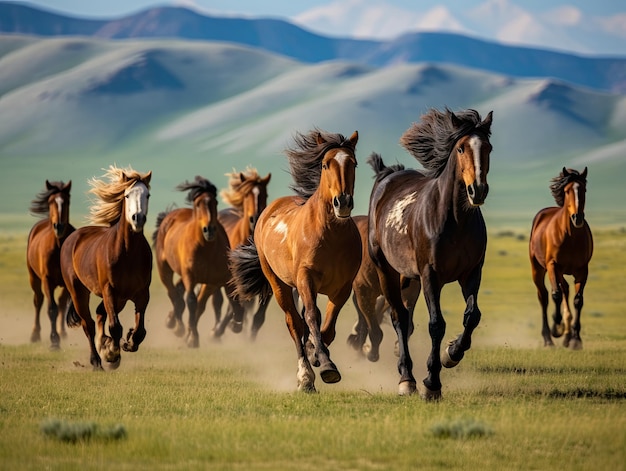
[
  {"x": 446, "y": 359},
  {"x": 55, "y": 347},
  {"x": 330, "y": 374},
  {"x": 406, "y": 388},
  {"x": 353, "y": 341},
  {"x": 307, "y": 388},
  {"x": 557, "y": 330},
  {"x": 428, "y": 394},
  {"x": 576, "y": 344},
  {"x": 113, "y": 365},
  {"x": 373, "y": 356},
  {"x": 236, "y": 327},
  {"x": 170, "y": 323},
  {"x": 35, "y": 337}
]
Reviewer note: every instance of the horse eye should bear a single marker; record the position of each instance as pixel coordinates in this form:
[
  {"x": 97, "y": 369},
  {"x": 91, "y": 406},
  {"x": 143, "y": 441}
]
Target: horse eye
[
  {"x": 325, "y": 166},
  {"x": 460, "y": 149}
]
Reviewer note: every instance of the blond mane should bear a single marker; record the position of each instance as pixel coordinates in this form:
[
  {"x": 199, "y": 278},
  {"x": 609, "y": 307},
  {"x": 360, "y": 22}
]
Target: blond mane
[
  {"x": 238, "y": 190},
  {"x": 107, "y": 209}
]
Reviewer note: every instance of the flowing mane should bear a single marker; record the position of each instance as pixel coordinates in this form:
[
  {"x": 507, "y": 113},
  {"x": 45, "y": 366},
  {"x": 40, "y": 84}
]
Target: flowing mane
[
  {"x": 197, "y": 187},
  {"x": 558, "y": 184},
  {"x": 108, "y": 209},
  {"x": 431, "y": 140},
  {"x": 39, "y": 206},
  {"x": 305, "y": 159},
  {"x": 237, "y": 189}
]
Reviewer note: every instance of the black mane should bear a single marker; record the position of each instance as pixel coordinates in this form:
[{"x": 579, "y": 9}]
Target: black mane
[
  {"x": 558, "y": 184},
  {"x": 197, "y": 187},
  {"x": 305, "y": 159},
  {"x": 39, "y": 206},
  {"x": 431, "y": 140}
]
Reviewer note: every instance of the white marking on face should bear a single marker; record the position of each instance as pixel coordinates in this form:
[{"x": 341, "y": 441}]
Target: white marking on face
[
  {"x": 575, "y": 189},
  {"x": 136, "y": 203},
  {"x": 59, "y": 201},
  {"x": 395, "y": 217},
  {"x": 341, "y": 157},
  {"x": 476, "y": 144},
  {"x": 281, "y": 228}
]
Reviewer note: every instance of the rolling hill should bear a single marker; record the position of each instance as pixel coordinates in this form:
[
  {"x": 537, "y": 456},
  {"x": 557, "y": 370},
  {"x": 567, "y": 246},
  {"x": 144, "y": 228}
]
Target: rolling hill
[{"x": 71, "y": 106}]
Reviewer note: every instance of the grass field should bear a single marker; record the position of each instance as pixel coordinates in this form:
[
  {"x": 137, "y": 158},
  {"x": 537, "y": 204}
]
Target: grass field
[{"x": 510, "y": 404}]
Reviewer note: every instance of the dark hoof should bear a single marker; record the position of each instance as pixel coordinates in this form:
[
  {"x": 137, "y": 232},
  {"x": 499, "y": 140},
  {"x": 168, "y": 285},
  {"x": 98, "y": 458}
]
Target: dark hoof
[
  {"x": 406, "y": 388},
  {"x": 429, "y": 395},
  {"x": 236, "y": 327},
  {"x": 576, "y": 344},
  {"x": 113, "y": 365},
  {"x": 447, "y": 361},
  {"x": 55, "y": 347},
  {"x": 373, "y": 356},
  {"x": 330, "y": 374},
  {"x": 170, "y": 322},
  {"x": 308, "y": 388},
  {"x": 35, "y": 337},
  {"x": 353, "y": 341},
  {"x": 557, "y": 330}
]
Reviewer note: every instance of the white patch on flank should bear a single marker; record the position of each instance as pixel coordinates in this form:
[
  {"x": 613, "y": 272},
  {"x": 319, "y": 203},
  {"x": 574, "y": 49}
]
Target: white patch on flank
[
  {"x": 395, "y": 218},
  {"x": 281, "y": 228},
  {"x": 475, "y": 144}
]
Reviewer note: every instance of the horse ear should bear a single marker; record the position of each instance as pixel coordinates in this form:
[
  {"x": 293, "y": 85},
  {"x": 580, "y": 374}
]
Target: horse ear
[
  {"x": 68, "y": 187},
  {"x": 267, "y": 179},
  {"x": 354, "y": 139},
  {"x": 486, "y": 123},
  {"x": 456, "y": 122},
  {"x": 565, "y": 172},
  {"x": 48, "y": 185},
  {"x": 146, "y": 178},
  {"x": 584, "y": 174},
  {"x": 319, "y": 139},
  {"x": 242, "y": 177}
]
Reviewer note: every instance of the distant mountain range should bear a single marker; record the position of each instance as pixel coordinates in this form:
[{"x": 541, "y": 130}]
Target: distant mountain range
[{"x": 281, "y": 37}]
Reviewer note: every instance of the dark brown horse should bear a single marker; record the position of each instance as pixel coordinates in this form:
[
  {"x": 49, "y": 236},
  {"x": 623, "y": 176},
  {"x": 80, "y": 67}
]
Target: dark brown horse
[
  {"x": 308, "y": 242},
  {"x": 111, "y": 259},
  {"x": 191, "y": 243},
  {"x": 42, "y": 256},
  {"x": 428, "y": 225},
  {"x": 561, "y": 244},
  {"x": 247, "y": 195},
  {"x": 370, "y": 303}
]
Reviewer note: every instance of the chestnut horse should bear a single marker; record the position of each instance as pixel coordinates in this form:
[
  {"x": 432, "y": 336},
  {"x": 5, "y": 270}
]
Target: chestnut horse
[
  {"x": 308, "y": 242},
  {"x": 111, "y": 259},
  {"x": 247, "y": 195},
  {"x": 42, "y": 256},
  {"x": 428, "y": 225},
  {"x": 191, "y": 243},
  {"x": 561, "y": 244},
  {"x": 369, "y": 301}
]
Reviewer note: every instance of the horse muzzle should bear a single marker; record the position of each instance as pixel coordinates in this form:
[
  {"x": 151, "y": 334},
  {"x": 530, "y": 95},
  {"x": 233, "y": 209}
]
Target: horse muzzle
[
  {"x": 138, "y": 220},
  {"x": 342, "y": 205},
  {"x": 578, "y": 220},
  {"x": 208, "y": 232},
  {"x": 477, "y": 193}
]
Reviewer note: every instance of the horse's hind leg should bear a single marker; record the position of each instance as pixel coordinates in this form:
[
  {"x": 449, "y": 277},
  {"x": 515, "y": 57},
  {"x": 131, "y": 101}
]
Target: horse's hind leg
[
  {"x": 566, "y": 313},
  {"x": 53, "y": 312},
  {"x": 369, "y": 309},
  {"x": 259, "y": 317},
  {"x": 137, "y": 334},
  {"x": 357, "y": 337},
  {"x": 64, "y": 298},
  {"x": 538, "y": 275},
  {"x": 576, "y": 342}
]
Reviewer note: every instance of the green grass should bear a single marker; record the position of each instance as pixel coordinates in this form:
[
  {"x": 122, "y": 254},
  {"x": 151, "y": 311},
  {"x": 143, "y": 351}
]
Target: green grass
[{"x": 510, "y": 404}]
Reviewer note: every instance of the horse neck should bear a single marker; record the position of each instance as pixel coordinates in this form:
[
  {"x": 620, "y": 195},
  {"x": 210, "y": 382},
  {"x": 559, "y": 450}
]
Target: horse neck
[
  {"x": 125, "y": 238},
  {"x": 451, "y": 193},
  {"x": 320, "y": 209}
]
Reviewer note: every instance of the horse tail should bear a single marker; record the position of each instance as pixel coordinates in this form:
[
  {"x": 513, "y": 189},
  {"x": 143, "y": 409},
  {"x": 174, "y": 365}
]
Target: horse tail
[
  {"x": 248, "y": 278},
  {"x": 380, "y": 169},
  {"x": 72, "y": 318}
]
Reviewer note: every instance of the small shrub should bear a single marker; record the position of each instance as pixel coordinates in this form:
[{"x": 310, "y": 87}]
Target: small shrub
[
  {"x": 73, "y": 432},
  {"x": 461, "y": 429}
]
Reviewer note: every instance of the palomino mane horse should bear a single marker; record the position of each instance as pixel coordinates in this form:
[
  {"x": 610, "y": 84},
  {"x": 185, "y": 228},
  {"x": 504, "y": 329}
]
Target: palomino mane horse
[
  {"x": 428, "y": 225},
  {"x": 561, "y": 244},
  {"x": 307, "y": 242},
  {"x": 112, "y": 259},
  {"x": 191, "y": 243},
  {"x": 369, "y": 301},
  {"x": 247, "y": 196},
  {"x": 42, "y": 256}
]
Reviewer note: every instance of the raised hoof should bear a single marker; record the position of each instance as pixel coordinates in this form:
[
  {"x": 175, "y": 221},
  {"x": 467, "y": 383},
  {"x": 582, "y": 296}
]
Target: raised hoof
[
  {"x": 35, "y": 337},
  {"x": 429, "y": 395},
  {"x": 330, "y": 374},
  {"x": 557, "y": 330},
  {"x": 170, "y": 322},
  {"x": 373, "y": 356},
  {"x": 180, "y": 330},
  {"x": 112, "y": 365},
  {"x": 353, "y": 341},
  {"x": 236, "y": 327},
  {"x": 406, "y": 388},
  {"x": 446, "y": 359}
]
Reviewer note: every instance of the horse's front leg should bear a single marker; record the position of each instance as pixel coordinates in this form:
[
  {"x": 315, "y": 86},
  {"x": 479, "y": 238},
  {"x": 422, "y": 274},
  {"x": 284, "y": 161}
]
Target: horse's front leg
[
  {"x": 312, "y": 317},
  {"x": 456, "y": 349},
  {"x": 557, "y": 296},
  {"x": 110, "y": 346},
  {"x": 191, "y": 300},
  {"x": 137, "y": 334},
  {"x": 53, "y": 312},
  {"x": 437, "y": 329},
  {"x": 539, "y": 275},
  {"x": 64, "y": 299},
  {"x": 580, "y": 281}
]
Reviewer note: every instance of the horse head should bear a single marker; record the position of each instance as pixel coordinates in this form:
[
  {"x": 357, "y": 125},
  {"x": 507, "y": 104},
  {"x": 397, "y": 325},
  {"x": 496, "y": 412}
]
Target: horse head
[
  {"x": 255, "y": 199},
  {"x": 205, "y": 212},
  {"x": 472, "y": 152},
  {"x": 575, "y": 195},
  {"x": 338, "y": 175},
  {"x": 136, "y": 202},
  {"x": 59, "y": 207}
]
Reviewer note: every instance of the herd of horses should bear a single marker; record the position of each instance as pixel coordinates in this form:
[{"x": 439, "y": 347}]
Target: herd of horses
[{"x": 424, "y": 229}]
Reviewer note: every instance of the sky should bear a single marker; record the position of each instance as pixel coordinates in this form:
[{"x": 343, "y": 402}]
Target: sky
[{"x": 596, "y": 27}]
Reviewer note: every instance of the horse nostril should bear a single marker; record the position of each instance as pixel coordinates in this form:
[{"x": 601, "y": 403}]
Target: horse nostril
[
  {"x": 336, "y": 202},
  {"x": 470, "y": 190}
]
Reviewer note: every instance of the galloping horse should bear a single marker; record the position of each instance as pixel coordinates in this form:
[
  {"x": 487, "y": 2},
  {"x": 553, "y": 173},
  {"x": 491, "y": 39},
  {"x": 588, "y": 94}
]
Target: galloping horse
[
  {"x": 369, "y": 301},
  {"x": 428, "y": 225},
  {"x": 308, "y": 242},
  {"x": 192, "y": 243},
  {"x": 111, "y": 259},
  {"x": 561, "y": 244},
  {"x": 247, "y": 195},
  {"x": 42, "y": 256}
]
